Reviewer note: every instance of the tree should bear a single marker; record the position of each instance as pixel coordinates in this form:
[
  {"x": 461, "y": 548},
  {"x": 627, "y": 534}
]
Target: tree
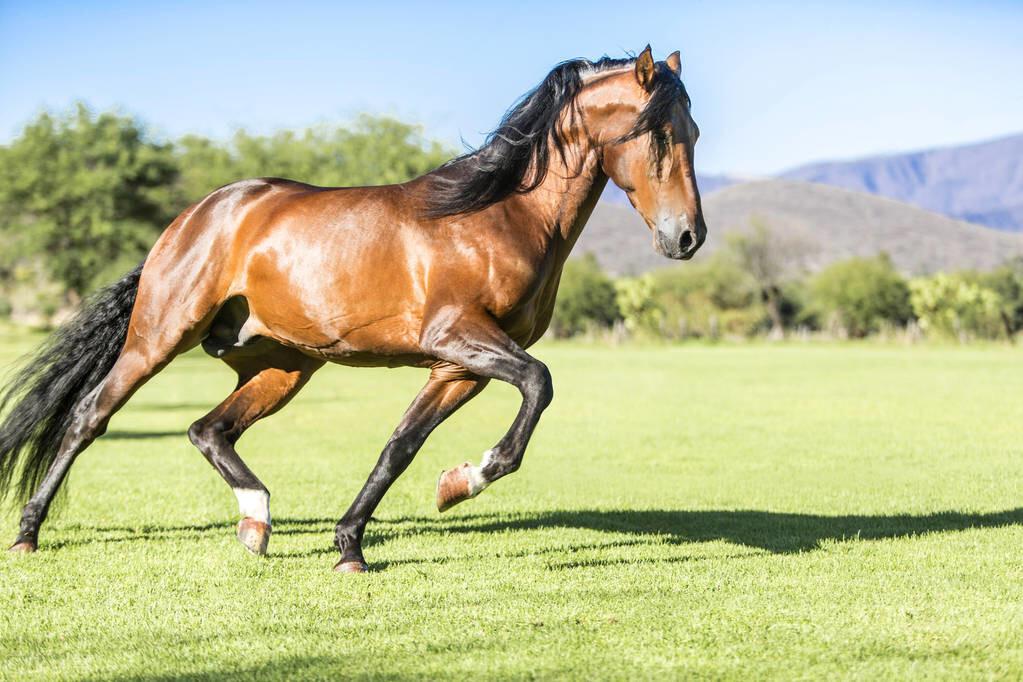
[
  {"x": 83, "y": 190},
  {"x": 772, "y": 258},
  {"x": 373, "y": 150},
  {"x": 863, "y": 292},
  {"x": 586, "y": 296},
  {"x": 1007, "y": 282}
]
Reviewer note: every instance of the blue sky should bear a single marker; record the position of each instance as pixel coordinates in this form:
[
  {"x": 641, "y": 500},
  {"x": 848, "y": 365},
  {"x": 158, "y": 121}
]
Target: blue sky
[{"x": 774, "y": 84}]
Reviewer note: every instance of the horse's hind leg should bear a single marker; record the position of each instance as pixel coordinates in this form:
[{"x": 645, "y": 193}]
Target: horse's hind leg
[
  {"x": 132, "y": 369},
  {"x": 266, "y": 382}
]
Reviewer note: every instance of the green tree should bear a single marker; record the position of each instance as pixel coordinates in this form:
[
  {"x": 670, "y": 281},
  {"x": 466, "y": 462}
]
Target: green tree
[
  {"x": 83, "y": 191},
  {"x": 205, "y": 165},
  {"x": 586, "y": 296},
  {"x": 707, "y": 299},
  {"x": 772, "y": 257},
  {"x": 1007, "y": 282},
  {"x": 863, "y": 292},
  {"x": 373, "y": 150}
]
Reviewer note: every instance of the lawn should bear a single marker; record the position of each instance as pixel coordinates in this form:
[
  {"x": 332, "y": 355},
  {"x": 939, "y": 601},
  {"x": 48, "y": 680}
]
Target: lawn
[{"x": 737, "y": 512}]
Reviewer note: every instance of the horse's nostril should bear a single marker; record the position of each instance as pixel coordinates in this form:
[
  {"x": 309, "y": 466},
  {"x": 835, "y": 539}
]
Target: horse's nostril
[{"x": 687, "y": 240}]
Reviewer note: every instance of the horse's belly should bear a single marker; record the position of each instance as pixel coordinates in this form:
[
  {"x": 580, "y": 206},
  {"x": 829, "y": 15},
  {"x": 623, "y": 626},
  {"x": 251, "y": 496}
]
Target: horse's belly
[{"x": 380, "y": 340}]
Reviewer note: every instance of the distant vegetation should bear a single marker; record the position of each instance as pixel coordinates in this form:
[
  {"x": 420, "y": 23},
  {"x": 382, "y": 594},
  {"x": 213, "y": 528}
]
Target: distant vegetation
[
  {"x": 742, "y": 291},
  {"x": 83, "y": 195}
]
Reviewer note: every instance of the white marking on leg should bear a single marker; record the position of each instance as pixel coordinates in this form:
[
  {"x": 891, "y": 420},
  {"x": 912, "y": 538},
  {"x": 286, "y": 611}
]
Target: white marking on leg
[
  {"x": 477, "y": 482},
  {"x": 254, "y": 503}
]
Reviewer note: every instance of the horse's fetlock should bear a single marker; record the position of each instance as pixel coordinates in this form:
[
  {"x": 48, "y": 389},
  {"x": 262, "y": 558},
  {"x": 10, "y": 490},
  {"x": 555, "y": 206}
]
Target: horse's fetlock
[
  {"x": 31, "y": 517},
  {"x": 348, "y": 540}
]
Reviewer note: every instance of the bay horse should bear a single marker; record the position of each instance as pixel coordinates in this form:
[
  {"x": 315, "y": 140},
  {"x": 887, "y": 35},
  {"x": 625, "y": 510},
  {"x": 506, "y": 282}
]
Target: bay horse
[{"x": 455, "y": 271}]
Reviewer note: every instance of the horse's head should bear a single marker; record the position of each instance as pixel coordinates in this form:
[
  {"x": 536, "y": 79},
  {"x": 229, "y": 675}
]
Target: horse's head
[{"x": 646, "y": 135}]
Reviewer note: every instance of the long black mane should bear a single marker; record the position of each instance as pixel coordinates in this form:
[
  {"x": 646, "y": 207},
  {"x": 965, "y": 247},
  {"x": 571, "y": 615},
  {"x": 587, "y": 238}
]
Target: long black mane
[{"x": 515, "y": 157}]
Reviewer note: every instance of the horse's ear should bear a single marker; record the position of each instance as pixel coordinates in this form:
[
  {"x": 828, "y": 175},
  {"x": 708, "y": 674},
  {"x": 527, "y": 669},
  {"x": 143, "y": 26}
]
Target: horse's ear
[
  {"x": 674, "y": 62},
  {"x": 645, "y": 68}
]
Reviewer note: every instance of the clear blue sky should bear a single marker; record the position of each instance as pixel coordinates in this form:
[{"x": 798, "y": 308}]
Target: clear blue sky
[{"x": 774, "y": 84}]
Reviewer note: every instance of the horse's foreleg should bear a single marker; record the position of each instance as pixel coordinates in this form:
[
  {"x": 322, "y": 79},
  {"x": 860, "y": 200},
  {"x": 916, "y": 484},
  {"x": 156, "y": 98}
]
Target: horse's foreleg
[
  {"x": 447, "y": 390},
  {"x": 482, "y": 347},
  {"x": 265, "y": 385}
]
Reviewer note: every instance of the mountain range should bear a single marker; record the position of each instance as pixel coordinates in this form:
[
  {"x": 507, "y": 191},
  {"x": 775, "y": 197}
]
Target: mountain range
[{"x": 979, "y": 183}]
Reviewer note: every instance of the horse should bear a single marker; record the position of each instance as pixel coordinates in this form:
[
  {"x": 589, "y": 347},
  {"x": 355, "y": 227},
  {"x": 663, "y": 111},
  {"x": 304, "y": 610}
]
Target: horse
[{"x": 455, "y": 271}]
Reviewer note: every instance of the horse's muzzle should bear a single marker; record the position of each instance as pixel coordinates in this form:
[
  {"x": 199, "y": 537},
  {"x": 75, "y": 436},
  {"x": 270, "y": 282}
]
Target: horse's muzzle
[{"x": 680, "y": 241}]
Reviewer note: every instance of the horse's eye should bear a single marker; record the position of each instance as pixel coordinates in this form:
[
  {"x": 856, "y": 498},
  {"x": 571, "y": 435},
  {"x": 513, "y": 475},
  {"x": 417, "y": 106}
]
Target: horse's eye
[{"x": 661, "y": 146}]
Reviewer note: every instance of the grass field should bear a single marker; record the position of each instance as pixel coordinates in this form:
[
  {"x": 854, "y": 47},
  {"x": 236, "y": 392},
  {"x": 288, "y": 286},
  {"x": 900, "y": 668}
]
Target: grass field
[{"x": 737, "y": 512}]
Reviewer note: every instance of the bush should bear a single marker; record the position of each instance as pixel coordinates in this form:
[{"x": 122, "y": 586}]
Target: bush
[
  {"x": 635, "y": 299},
  {"x": 1007, "y": 282},
  {"x": 706, "y": 300},
  {"x": 863, "y": 293},
  {"x": 586, "y": 297},
  {"x": 953, "y": 305}
]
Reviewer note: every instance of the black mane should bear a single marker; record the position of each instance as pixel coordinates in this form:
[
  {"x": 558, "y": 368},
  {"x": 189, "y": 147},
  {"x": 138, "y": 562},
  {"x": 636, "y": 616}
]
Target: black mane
[{"x": 515, "y": 157}]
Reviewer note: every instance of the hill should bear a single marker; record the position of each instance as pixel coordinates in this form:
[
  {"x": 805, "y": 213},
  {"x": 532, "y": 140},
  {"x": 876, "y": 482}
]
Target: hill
[
  {"x": 834, "y": 224},
  {"x": 980, "y": 183}
]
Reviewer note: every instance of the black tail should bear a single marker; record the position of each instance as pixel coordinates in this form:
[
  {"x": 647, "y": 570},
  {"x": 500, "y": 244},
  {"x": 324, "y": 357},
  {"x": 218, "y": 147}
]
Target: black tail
[{"x": 42, "y": 396}]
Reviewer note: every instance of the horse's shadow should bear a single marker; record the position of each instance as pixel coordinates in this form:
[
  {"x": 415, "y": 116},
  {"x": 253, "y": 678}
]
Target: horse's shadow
[{"x": 775, "y": 532}]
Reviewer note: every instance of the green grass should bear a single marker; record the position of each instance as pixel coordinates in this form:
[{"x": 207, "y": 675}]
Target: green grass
[{"x": 740, "y": 512}]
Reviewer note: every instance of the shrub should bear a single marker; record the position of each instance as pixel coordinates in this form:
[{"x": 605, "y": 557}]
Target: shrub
[
  {"x": 953, "y": 305},
  {"x": 863, "y": 293},
  {"x": 706, "y": 300},
  {"x": 635, "y": 299},
  {"x": 586, "y": 297}
]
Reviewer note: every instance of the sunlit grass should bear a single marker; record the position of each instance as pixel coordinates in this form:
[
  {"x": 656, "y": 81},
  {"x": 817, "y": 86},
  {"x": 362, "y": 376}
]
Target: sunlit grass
[{"x": 736, "y": 511}]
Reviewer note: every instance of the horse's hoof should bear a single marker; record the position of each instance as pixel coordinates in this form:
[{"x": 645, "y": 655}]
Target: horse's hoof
[
  {"x": 350, "y": 567},
  {"x": 24, "y": 547},
  {"x": 453, "y": 487},
  {"x": 254, "y": 534}
]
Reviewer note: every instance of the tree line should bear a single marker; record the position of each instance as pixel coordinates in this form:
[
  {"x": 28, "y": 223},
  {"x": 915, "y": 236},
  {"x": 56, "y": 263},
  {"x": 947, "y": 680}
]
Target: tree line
[
  {"x": 754, "y": 286},
  {"x": 84, "y": 194}
]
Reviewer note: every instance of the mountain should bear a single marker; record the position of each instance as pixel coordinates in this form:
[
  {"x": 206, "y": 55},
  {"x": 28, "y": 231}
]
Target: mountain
[
  {"x": 831, "y": 224},
  {"x": 980, "y": 183}
]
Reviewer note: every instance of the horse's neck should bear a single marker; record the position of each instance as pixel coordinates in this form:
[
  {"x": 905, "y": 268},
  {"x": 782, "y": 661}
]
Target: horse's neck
[{"x": 558, "y": 209}]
